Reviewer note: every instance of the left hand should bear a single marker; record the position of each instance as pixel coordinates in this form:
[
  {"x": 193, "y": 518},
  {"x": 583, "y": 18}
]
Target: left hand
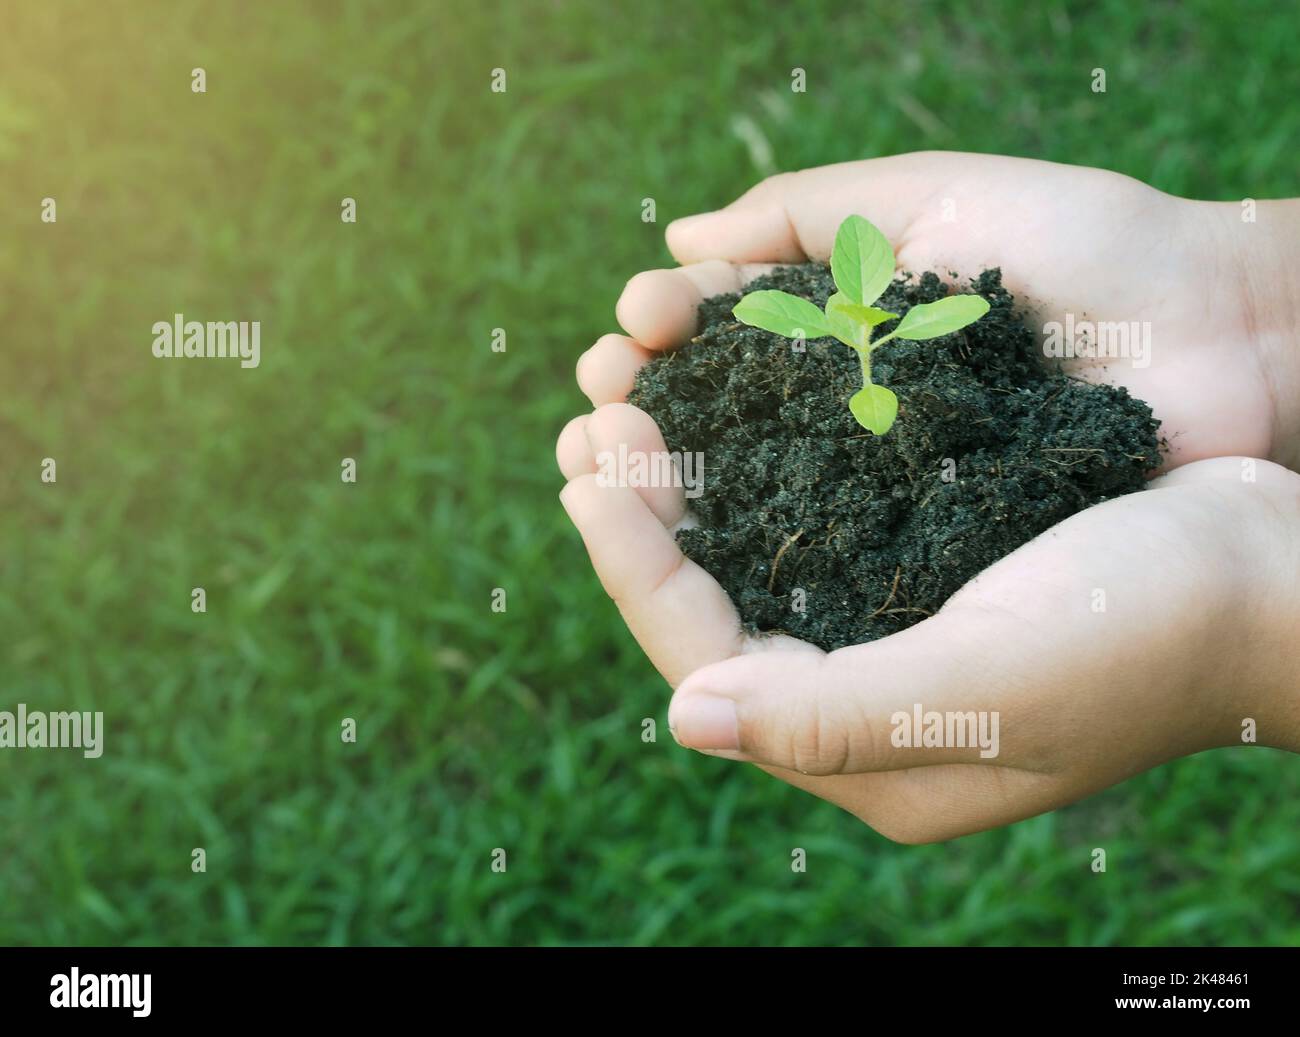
[{"x": 1200, "y": 608}]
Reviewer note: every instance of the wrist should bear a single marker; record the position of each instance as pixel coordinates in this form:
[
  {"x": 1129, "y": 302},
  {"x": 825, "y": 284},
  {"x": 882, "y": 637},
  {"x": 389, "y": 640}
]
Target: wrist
[
  {"x": 1266, "y": 680},
  {"x": 1260, "y": 246}
]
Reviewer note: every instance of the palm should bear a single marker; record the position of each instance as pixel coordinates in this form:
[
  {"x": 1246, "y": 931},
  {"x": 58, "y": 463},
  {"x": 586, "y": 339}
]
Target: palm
[
  {"x": 1023, "y": 639},
  {"x": 1103, "y": 247}
]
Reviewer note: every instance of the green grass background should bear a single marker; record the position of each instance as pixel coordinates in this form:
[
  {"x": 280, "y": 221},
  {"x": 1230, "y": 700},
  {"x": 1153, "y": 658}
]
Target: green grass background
[{"x": 477, "y": 210}]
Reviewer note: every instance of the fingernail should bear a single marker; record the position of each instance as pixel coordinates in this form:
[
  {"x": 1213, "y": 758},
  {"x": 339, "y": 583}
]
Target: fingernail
[{"x": 704, "y": 722}]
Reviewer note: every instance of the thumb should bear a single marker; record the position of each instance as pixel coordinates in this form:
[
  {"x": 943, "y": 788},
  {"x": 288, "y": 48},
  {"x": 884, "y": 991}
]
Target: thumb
[
  {"x": 741, "y": 233},
  {"x": 791, "y": 217},
  {"x": 904, "y": 701}
]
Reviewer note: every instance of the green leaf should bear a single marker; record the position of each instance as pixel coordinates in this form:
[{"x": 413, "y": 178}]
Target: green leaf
[
  {"x": 868, "y": 315},
  {"x": 862, "y": 261},
  {"x": 849, "y": 331},
  {"x": 932, "y": 319},
  {"x": 875, "y": 407},
  {"x": 783, "y": 314}
]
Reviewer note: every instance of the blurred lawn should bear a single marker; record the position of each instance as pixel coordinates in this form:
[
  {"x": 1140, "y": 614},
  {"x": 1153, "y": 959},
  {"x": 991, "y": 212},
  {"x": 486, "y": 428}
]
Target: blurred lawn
[{"x": 476, "y": 211}]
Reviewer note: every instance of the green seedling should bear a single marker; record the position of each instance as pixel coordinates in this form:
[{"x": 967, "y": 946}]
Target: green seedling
[{"x": 862, "y": 264}]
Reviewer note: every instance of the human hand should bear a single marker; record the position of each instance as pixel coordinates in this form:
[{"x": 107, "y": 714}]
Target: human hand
[
  {"x": 1200, "y": 604},
  {"x": 1073, "y": 710},
  {"x": 1223, "y": 375},
  {"x": 1196, "y": 633}
]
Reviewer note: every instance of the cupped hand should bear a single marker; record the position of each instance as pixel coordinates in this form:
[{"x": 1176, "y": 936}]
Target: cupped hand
[
  {"x": 1137, "y": 631},
  {"x": 1149, "y": 627},
  {"x": 1070, "y": 240}
]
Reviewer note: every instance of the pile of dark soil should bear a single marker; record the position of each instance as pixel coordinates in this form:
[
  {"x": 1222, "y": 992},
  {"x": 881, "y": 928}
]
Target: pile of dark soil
[{"x": 818, "y": 529}]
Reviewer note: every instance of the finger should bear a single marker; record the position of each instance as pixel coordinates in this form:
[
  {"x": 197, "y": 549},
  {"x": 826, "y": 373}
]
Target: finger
[
  {"x": 932, "y": 694},
  {"x": 676, "y": 611},
  {"x": 755, "y": 227},
  {"x": 572, "y": 449},
  {"x": 791, "y": 217},
  {"x": 627, "y": 445},
  {"x": 607, "y": 370},
  {"x": 658, "y": 307}
]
